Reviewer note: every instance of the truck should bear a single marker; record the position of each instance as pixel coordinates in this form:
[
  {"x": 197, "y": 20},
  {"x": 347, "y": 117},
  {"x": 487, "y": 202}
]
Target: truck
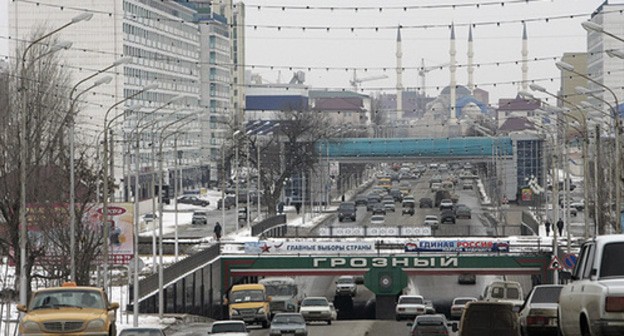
[
  {"x": 249, "y": 303},
  {"x": 284, "y": 294},
  {"x": 592, "y": 303}
]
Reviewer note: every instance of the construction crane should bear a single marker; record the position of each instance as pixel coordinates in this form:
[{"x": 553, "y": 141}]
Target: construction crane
[
  {"x": 355, "y": 82},
  {"x": 422, "y": 72}
]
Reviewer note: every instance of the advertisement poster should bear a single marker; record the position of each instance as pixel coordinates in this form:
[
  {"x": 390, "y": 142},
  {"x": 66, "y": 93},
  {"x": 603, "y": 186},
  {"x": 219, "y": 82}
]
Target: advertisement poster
[
  {"x": 309, "y": 247},
  {"x": 457, "y": 246},
  {"x": 121, "y": 233}
]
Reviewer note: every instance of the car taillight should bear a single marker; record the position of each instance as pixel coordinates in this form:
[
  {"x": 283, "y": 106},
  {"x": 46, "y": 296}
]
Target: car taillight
[
  {"x": 539, "y": 320},
  {"x": 614, "y": 304}
]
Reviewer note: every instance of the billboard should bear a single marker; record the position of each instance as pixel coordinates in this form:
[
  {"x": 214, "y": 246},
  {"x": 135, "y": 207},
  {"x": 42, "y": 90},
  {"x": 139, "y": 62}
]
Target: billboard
[{"x": 121, "y": 230}]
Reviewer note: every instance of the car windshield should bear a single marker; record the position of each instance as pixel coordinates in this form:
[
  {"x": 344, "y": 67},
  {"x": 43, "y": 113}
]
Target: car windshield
[
  {"x": 345, "y": 280},
  {"x": 411, "y": 300},
  {"x": 282, "y": 319},
  {"x": 314, "y": 302},
  {"x": 68, "y": 298},
  {"x": 141, "y": 332},
  {"x": 228, "y": 327},
  {"x": 430, "y": 322},
  {"x": 347, "y": 206},
  {"x": 247, "y": 296},
  {"x": 611, "y": 265}
]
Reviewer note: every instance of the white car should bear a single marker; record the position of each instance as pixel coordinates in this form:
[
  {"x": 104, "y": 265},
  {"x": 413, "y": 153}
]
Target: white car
[
  {"x": 432, "y": 221},
  {"x": 334, "y": 312},
  {"x": 345, "y": 285},
  {"x": 378, "y": 219},
  {"x": 389, "y": 206},
  {"x": 410, "y": 306},
  {"x": 316, "y": 308},
  {"x": 228, "y": 328},
  {"x": 458, "y": 305}
]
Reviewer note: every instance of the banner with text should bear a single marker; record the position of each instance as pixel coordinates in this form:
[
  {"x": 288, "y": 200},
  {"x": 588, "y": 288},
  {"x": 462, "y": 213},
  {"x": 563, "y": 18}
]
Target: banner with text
[
  {"x": 457, "y": 246},
  {"x": 308, "y": 247}
]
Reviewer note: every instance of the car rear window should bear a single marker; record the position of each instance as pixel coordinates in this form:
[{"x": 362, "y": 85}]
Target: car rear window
[
  {"x": 546, "y": 295},
  {"x": 411, "y": 300},
  {"x": 611, "y": 265},
  {"x": 463, "y": 301}
]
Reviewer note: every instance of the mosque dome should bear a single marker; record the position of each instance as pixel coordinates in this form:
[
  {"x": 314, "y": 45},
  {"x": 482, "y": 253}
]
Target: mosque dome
[{"x": 459, "y": 91}]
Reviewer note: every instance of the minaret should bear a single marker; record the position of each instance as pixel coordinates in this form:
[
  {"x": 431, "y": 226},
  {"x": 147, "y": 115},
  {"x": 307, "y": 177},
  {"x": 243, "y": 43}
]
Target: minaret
[
  {"x": 399, "y": 80},
  {"x": 453, "y": 67},
  {"x": 471, "y": 85},
  {"x": 525, "y": 54}
]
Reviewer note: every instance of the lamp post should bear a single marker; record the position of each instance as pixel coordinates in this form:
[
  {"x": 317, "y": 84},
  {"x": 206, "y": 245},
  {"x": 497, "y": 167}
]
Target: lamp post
[
  {"x": 137, "y": 132},
  {"x": 23, "y": 148},
  {"x": 107, "y": 125},
  {"x": 72, "y": 184},
  {"x": 161, "y": 299},
  {"x": 618, "y": 134},
  {"x": 583, "y": 122}
]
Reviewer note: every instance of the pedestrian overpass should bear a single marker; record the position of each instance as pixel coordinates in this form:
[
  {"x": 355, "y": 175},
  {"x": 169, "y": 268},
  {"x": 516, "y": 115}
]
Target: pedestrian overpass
[
  {"x": 413, "y": 149},
  {"x": 199, "y": 283}
]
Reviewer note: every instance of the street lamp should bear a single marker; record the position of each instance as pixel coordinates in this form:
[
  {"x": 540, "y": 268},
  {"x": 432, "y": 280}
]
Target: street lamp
[
  {"x": 161, "y": 299},
  {"x": 23, "y": 148},
  {"x": 618, "y": 133},
  {"x": 107, "y": 125},
  {"x": 593, "y": 26},
  {"x": 136, "y": 131}
]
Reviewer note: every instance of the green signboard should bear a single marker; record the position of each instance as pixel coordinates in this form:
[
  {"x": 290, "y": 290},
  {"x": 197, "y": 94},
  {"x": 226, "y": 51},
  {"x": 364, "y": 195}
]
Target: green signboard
[{"x": 385, "y": 281}]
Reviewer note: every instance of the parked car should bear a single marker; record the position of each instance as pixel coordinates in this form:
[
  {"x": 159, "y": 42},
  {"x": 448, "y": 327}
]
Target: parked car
[
  {"x": 378, "y": 219},
  {"x": 458, "y": 305},
  {"x": 347, "y": 210},
  {"x": 578, "y": 205},
  {"x": 193, "y": 200},
  {"x": 410, "y": 306},
  {"x": 447, "y": 216},
  {"x": 199, "y": 217},
  {"x": 345, "y": 285},
  {"x": 315, "y": 308},
  {"x": 228, "y": 328},
  {"x": 425, "y": 202},
  {"x": 538, "y": 315},
  {"x": 488, "y": 318},
  {"x": 288, "y": 323},
  {"x": 425, "y": 325},
  {"x": 432, "y": 221}
]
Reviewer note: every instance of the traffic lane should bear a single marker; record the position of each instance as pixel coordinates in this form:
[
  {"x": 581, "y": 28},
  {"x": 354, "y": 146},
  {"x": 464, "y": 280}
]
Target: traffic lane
[{"x": 187, "y": 230}]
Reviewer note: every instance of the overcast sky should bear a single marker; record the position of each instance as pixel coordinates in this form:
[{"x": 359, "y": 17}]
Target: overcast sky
[{"x": 280, "y": 40}]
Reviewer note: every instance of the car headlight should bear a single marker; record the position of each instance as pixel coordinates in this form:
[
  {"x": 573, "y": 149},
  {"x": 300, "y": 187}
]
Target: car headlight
[
  {"x": 261, "y": 310},
  {"x": 96, "y": 325},
  {"x": 233, "y": 312},
  {"x": 30, "y": 327}
]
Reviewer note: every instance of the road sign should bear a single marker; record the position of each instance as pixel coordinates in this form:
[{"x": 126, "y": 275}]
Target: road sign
[
  {"x": 555, "y": 264},
  {"x": 569, "y": 260}
]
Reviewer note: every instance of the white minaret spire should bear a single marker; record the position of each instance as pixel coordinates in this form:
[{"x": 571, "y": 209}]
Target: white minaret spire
[
  {"x": 525, "y": 54},
  {"x": 453, "y": 67},
  {"x": 399, "y": 79},
  {"x": 471, "y": 85}
]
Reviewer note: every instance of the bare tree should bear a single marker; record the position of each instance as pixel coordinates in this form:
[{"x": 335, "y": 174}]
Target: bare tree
[{"x": 36, "y": 91}]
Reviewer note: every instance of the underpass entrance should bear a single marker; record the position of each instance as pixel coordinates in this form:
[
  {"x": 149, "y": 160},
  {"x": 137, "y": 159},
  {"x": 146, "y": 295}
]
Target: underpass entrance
[{"x": 384, "y": 274}]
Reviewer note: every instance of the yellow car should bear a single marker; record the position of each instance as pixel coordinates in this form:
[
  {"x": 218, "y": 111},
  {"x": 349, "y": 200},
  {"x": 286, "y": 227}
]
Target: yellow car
[{"x": 69, "y": 309}]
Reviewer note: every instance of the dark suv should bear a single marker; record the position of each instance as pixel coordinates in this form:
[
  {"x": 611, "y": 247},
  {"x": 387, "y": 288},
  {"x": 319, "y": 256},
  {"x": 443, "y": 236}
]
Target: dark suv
[
  {"x": 230, "y": 201},
  {"x": 346, "y": 210}
]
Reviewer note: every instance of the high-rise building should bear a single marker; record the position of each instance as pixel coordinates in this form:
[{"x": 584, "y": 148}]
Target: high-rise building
[
  {"x": 163, "y": 39},
  {"x": 569, "y": 82},
  {"x": 600, "y": 66}
]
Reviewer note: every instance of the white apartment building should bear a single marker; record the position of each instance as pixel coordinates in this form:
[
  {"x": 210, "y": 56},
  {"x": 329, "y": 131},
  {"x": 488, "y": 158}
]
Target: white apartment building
[
  {"x": 600, "y": 66},
  {"x": 165, "y": 43}
]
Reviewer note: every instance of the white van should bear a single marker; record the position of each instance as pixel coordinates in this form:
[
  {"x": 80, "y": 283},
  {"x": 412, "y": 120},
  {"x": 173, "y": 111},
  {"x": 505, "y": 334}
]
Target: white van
[{"x": 504, "y": 291}]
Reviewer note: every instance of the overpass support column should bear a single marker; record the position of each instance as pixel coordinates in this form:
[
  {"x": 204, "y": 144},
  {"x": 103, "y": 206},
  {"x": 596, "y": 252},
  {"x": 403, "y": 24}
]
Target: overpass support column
[{"x": 385, "y": 306}]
